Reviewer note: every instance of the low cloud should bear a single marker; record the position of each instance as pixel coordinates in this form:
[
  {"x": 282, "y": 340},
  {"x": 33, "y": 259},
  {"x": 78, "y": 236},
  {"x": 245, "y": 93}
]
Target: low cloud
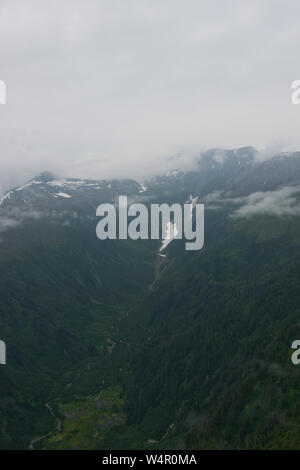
[
  {"x": 282, "y": 202},
  {"x": 16, "y": 217},
  {"x": 6, "y": 224}
]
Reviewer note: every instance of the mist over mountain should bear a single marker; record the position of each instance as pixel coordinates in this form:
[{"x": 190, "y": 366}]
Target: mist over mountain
[
  {"x": 111, "y": 345},
  {"x": 149, "y": 228},
  {"x": 111, "y": 89}
]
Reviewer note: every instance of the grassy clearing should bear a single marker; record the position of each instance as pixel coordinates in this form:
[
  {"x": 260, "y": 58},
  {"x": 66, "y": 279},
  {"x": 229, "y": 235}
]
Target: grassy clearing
[{"x": 85, "y": 421}]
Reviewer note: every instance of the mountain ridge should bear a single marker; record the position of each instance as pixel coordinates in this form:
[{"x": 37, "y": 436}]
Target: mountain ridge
[{"x": 187, "y": 351}]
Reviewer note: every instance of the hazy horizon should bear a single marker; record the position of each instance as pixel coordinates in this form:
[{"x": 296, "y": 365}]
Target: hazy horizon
[{"x": 104, "y": 89}]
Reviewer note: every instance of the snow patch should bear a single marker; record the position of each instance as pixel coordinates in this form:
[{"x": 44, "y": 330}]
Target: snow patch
[
  {"x": 171, "y": 233},
  {"x": 143, "y": 188},
  {"x": 5, "y": 197},
  {"x": 67, "y": 196},
  {"x": 27, "y": 185}
]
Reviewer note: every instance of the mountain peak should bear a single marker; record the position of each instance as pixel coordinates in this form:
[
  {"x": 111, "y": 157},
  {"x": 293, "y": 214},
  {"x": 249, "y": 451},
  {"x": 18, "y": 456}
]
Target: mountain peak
[{"x": 44, "y": 177}]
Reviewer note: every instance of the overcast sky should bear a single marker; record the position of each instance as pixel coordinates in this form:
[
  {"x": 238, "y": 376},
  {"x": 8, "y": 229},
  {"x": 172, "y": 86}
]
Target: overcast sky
[{"x": 114, "y": 88}]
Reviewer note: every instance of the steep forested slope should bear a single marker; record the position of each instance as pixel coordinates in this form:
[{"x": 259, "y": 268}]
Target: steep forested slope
[
  {"x": 221, "y": 325},
  {"x": 110, "y": 345},
  {"x": 62, "y": 295}
]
